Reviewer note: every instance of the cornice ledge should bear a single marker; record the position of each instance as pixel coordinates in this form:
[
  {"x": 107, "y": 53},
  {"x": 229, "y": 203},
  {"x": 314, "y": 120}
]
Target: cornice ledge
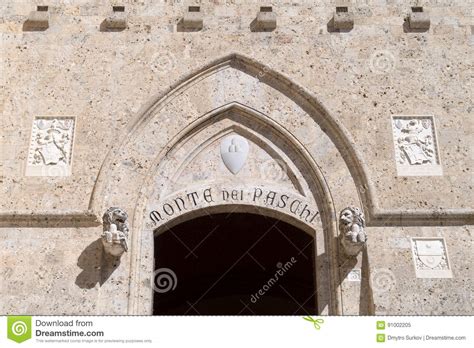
[
  {"x": 378, "y": 217},
  {"x": 49, "y": 219},
  {"x": 415, "y": 217}
]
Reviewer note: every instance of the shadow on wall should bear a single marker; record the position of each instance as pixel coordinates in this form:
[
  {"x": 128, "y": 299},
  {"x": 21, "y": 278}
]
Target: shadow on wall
[
  {"x": 346, "y": 264},
  {"x": 331, "y": 28},
  {"x": 366, "y": 306},
  {"x": 407, "y": 29},
  {"x": 96, "y": 266},
  {"x": 180, "y": 27}
]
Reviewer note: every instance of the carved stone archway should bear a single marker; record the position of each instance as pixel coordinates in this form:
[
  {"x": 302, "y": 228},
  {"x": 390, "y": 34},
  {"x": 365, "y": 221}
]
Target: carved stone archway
[
  {"x": 159, "y": 160},
  {"x": 298, "y": 196}
]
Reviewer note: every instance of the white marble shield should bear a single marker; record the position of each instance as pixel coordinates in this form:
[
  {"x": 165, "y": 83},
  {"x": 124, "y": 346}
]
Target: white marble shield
[
  {"x": 430, "y": 252},
  {"x": 234, "y": 152},
  {"x": 430, "y": 247},
  {"x": 431, "y": 261}
]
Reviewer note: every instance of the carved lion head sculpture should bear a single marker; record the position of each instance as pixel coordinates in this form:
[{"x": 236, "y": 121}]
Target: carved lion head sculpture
[
  {"x": 351, "y": 216},
  {"x": 118, "y": 217},
  {"x": 352, "y": 224}
]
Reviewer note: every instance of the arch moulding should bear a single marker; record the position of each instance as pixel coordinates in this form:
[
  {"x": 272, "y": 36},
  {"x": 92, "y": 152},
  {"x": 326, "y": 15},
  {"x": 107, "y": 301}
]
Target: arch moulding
[{"x": 172, "y": 150}]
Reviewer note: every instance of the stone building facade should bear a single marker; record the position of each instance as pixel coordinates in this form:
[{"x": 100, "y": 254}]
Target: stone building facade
[{"x": 350, "y": 123}]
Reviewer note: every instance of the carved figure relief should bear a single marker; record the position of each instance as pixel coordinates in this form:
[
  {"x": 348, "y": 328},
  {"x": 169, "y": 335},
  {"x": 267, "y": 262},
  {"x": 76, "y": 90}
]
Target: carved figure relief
[
  {"x": 234, "y": 152},
  {"x": 51, "y": 145},
  {"x": 415, "y": 144}
]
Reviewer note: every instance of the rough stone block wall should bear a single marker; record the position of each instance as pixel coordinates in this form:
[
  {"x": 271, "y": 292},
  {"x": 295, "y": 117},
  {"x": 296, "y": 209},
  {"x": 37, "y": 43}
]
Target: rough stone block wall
[{"x": 105, "y": 80}]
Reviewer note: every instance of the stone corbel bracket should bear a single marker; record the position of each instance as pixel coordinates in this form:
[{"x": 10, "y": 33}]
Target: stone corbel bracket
[
  {"x": 193, "y": 19},
  {"x": 37, "y": 20},
  {"x": 116, "y": 21},
  {"x": 116, "y": 230},
  {"x": 418, "y": 19},
  {"x": 352, "y": 228},
  {"x": 343, "y": 19},
  {"x": 266, "y": 20}
]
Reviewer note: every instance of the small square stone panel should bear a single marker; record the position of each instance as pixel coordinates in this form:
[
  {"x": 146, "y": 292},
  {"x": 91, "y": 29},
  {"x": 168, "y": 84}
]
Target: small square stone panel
[{"x": 355, "y": 275}]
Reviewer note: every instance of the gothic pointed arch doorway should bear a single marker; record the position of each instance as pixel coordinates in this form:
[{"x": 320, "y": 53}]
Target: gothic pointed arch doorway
[
  {"x": 234, "y": 264},
  {"x": 276, "y": 180},
  {"x": 174, "y": 162}
]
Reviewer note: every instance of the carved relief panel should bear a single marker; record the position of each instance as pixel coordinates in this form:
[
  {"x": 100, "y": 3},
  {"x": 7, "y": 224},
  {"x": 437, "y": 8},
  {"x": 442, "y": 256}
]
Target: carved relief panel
[
  {"x": 51, "y": 144},
  {"x": 416, "y": 147},
  {"x": 431, "y": 258}
]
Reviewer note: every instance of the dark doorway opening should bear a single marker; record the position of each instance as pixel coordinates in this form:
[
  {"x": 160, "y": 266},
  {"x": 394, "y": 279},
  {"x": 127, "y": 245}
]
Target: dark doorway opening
[{"x": 236, "y": 264}]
